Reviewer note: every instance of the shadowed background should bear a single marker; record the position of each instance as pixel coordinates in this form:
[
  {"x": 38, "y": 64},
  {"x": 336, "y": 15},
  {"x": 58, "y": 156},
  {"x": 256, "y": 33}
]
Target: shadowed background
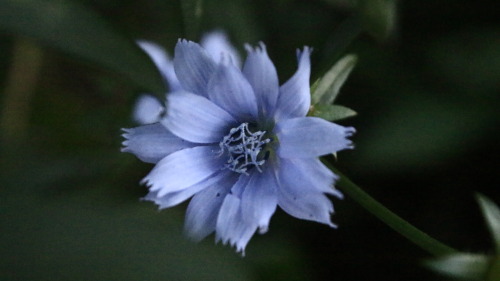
[{"x": 426, "y": 92}]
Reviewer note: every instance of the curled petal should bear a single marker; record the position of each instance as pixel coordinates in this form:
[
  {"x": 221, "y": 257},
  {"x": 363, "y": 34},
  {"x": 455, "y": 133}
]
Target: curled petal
[
  {"x": 295, "y": 97},
  {"x": 183, "y": 169},
  {"x": 230, "y": 90},
  {"x": 193, "y": 67},
  {"x": 151, "y": 143},
  {"x": 261, "y": 73},
  {"x": 305, "y": 137},
  {"x": 196, "y": 119},
  {"x": 217, "y": 45},
  {"x": 147, "y": 110}
]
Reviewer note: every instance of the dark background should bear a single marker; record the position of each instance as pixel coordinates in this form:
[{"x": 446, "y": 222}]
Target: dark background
[{"x": 425, "y": 89}]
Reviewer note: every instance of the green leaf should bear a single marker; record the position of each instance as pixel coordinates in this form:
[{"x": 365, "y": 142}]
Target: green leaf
[
  {"x": 461, "y": 265},
  {"x": 378, "y": 17},
  {"x": 192, "y": 11},
  {"x": 491, "y": 214},
  {"x": 332, "y": 112},
  {"x": 73, "y": 28},
  {"x": 329, "y": 85}
]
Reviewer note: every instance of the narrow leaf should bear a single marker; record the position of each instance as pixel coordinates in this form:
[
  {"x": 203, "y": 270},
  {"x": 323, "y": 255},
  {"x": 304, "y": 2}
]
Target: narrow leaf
[
  {"x": 332, "y": 112},
  {"x": 329, "y": 85},
  {"x": 461, "y": 266},
  {"x": 491, "y": 214},
  {"x": 73, "y": 28}
]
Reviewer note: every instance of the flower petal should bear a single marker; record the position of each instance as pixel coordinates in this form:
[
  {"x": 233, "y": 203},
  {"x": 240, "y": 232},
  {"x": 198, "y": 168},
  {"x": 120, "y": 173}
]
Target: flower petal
[
  {"x": 193, "y": 67},
  {"x": 151, "y": 143},
  {"x": 173, "y": 198},
  {"x": 229, "y": 89},
  {"x": 196, "y": 119},
  {"x": 261, "y": 73},
  {"x": 302, "y": 187},
  {"x": 162, "y": 62},
  {"x": 203, "y": 210},
  {"x": 231, "y": 227},
  {"x": 259, "y": 199},
  {"x": 147, "y": 109},
  {"x": 183, "y": 169},
  {"x": 310, "y": 137},
  {"x": 295, "y": 97},
  {"x": 216, "y": 44}
]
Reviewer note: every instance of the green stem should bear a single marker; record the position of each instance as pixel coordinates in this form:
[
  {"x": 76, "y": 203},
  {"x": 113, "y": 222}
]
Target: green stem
[{"x": 404, "y": 228}]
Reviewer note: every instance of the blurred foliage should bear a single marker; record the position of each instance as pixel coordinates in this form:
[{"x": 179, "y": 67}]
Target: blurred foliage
[{"x": 425, "y": 89}]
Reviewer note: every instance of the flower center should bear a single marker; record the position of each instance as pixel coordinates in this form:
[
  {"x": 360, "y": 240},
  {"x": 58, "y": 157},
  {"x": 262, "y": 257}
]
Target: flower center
[{"x": 243, "y": 148}]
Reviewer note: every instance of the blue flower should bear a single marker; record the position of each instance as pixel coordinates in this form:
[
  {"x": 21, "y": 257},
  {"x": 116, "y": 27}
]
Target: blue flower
[
  {"x": 239, "y": 144},
  {"x": 149, "y": 109}
]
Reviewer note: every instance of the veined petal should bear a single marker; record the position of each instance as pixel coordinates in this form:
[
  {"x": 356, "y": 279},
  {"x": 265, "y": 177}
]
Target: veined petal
[
  {"x": 203, "y": 210},
  {"x": 151, "y": 143},
  {"x": 261, "y": 73},
  {"x": 295, "y": 97},
  {"x": 259, "y": 199},
  {"x": 173, "y": 198},
  {"x": 216, "y": 44},
  {"x": 183, "y": 169},
  {"x": 311, "y": 137},
  {"x": 302, "y": 188},
  {"x": 230, "y": 226},
  {"x": 162, "y": 62},
  {"x": 147, "y": 109},
  {"x": 229, "y": 89},
  {"x": 193, "y": 67},
  {"x": 196, "y": 119}
]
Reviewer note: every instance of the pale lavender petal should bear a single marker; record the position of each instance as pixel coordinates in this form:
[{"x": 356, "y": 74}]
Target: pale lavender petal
[
  {"x": 151, "y": 143},
  {"x": 295, "y": 97},
  {"x": 173, "y": 198},
  {"x": 230, "y": 226},
  {"x": 147, "y": 110},
  {"x": 229, "y": 89},
  {"x": 261, "y": 73},
  {"x": 193, "y": 67},
  {"x": 314, "y": 206},
  {"x": 162, "y": 61},
  {"x": 259, "y": 199},
  {"x": 196, "y": 119},
  {"x": 216, "y": 44},
  {"x": 183, "y": 169},
  {"x": 301, "y": 192},
  {"x": 311, "y": 137},
  {"x": 318, "y": 177},
  {"x": 203, "y": 210}
]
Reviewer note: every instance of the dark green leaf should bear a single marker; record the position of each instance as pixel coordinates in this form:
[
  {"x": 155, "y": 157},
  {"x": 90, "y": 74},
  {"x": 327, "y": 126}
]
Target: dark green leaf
[
  {"x": 332, "y": 112},
  {"x": 73, "y": 28},
  {"x": 329, "y": 85}
]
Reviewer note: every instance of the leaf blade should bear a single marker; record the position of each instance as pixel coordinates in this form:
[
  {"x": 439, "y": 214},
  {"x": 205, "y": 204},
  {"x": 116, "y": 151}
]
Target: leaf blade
[{"x": 329, "y": 85}]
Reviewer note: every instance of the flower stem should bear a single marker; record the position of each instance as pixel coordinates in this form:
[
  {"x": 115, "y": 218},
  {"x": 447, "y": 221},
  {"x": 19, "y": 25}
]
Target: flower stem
[{"x": 404, "y": 228}]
